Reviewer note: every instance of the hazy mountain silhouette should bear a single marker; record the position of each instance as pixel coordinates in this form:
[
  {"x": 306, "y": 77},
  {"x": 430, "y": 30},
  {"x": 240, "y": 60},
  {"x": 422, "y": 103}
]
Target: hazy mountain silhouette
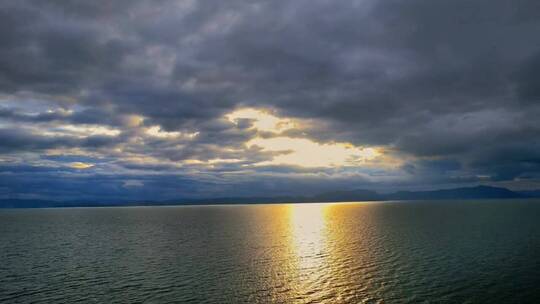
[
  {"x": 530, "y": 193},
  {"x": 343, "y": 196},
  {"x": 478, "y": 192}
]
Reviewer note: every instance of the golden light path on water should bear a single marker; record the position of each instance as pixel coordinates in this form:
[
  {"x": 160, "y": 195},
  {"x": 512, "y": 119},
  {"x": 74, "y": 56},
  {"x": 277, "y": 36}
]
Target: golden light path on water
[
  {"x": 308, "y": 229},
  {"x": 326, "y": 252},
  {"x": 348, "y": 253},
  {"x": 311, "y": 251}
]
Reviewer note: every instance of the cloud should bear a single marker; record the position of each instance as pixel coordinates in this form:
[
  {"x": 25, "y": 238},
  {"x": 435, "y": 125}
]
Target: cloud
[
  {"x": 240, "y": 93},
  {"x": 261, "y": 120},
  {"x": 133, "y": 183},
  {"x": 307, "y": 153},
  {"x": 80, "y": 165}
]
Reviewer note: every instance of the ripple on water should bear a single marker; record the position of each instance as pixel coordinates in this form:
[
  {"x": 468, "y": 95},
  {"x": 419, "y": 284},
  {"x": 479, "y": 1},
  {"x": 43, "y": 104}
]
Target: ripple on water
[{"x": 453, "y": 252}]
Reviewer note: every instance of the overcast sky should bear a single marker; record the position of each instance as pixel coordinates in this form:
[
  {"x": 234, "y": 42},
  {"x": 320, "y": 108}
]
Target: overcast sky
[{"x": 173, "y": 99}]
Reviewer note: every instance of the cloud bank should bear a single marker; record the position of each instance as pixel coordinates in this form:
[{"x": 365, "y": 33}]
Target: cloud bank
[{"x": 170, "y": 99}]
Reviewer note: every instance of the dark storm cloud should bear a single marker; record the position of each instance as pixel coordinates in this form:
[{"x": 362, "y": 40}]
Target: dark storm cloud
[
  {"x": 94, "y": 116},
  {"x": 14, "y": 140},
  {"x": 455, "y": 82}
]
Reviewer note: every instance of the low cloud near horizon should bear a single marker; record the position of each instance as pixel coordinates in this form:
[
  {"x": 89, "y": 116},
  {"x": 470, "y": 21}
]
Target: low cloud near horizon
[{"x": 176, "y": 99}]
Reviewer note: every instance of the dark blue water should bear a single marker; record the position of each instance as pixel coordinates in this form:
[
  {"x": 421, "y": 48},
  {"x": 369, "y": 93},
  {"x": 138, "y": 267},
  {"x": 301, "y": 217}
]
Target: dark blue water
[{"x": 380, "y": 252}]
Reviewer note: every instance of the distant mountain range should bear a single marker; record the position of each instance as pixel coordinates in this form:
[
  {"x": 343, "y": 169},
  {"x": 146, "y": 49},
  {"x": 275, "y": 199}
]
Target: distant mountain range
[{"x": 478, "y": 192}]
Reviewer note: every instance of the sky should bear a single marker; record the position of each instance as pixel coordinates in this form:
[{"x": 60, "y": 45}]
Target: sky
[{"x": 160, "y": 100}]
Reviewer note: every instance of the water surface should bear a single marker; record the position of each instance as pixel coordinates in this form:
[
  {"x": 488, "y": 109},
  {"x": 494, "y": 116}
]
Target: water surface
[{"x": 387, "y": 252}]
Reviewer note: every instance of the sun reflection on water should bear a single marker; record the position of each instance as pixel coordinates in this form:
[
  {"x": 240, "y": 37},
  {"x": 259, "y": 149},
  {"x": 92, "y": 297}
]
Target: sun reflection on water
[
  {"x": 308, "y": 238},
  {"x": 322, "y": 255},
  {"x": 308, "y": 228}
]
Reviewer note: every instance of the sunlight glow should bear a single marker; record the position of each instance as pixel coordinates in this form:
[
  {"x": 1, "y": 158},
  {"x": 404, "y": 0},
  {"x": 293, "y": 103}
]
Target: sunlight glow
[
  {"x": 212, "y": 161},
  {"x": 297, "y": 151},
  {"x": 80, "y": 165},
  {"x": 81, "y": 131},
  {"x": 156, "y": 131},
  {"x": 308, "y": 231},
  {"x": 261, "y": 120},
  {"x": 307, "y": 153},
  {"x": 133, "y": 121}
]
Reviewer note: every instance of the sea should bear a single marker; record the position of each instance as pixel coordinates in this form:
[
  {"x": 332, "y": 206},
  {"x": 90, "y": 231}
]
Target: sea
[{"x": 475, "y": 251}]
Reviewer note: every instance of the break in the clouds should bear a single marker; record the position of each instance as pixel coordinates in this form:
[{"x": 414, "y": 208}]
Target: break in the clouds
[{"x": 169, "y": 99}]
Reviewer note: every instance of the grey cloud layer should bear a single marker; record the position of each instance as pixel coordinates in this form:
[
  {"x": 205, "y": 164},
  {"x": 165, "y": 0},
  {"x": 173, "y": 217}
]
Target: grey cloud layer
[{"x": 436, "y": 82}]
